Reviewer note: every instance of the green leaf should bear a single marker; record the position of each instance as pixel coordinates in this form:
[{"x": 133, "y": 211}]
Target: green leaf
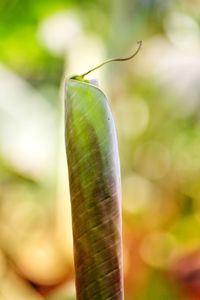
[{"x": 94, "y": 178}]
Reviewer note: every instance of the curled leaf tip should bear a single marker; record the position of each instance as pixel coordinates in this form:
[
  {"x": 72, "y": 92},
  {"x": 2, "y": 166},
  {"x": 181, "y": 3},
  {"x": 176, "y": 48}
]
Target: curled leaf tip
[{"x": 114, "y": 60}]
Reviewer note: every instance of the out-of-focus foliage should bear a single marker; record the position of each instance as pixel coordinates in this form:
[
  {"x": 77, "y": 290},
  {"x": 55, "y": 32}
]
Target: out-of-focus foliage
[{"x": 155, "y": 102}]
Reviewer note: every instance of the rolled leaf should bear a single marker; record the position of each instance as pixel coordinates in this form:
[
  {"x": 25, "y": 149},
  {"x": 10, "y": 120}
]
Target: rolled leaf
[{"x": 94, "y": 179}]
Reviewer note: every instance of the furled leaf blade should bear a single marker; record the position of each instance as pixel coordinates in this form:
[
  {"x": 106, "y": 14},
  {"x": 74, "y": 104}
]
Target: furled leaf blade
[{"x": 94, "y": 178}]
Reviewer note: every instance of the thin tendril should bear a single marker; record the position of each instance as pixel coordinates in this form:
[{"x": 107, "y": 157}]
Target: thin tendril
[{"x": 114, "y": 59}]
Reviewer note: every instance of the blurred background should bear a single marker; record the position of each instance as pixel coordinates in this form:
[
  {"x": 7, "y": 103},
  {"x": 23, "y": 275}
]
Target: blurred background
[{"x": 155, "y": 100}]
